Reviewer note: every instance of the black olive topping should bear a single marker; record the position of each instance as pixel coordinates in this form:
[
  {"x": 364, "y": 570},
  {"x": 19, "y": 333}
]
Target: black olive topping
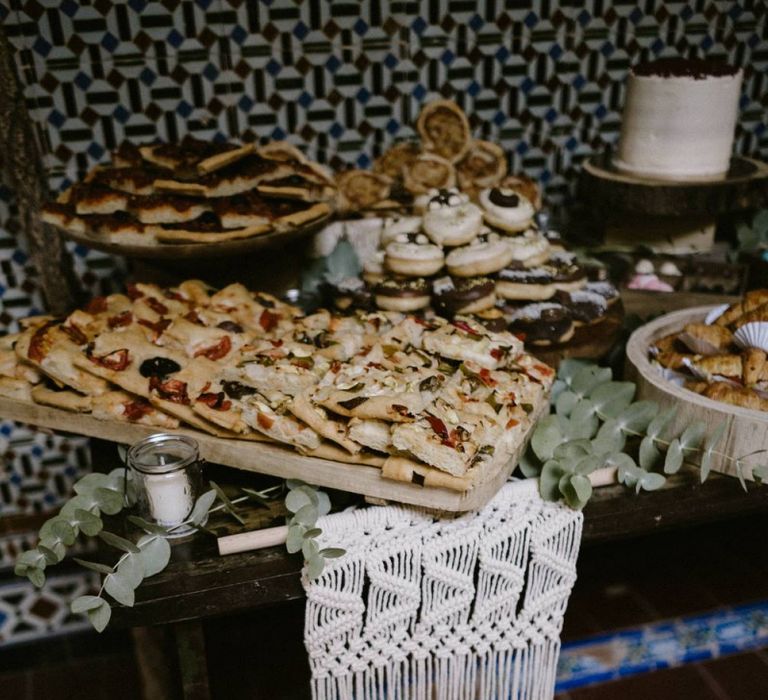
[
  {"x": 236, "y": 390},
  {"x": 158, "y": 367},
  {"x": 230, "y": 326}
]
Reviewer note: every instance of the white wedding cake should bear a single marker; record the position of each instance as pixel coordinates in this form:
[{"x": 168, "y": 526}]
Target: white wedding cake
[{"x": 679, "y": 119}]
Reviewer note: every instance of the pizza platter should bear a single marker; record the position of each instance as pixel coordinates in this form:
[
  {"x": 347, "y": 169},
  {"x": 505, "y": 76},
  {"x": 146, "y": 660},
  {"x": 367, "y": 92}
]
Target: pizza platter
[
  {"x": 275, "y": 460},
  {"x": 195, "y": 251}
]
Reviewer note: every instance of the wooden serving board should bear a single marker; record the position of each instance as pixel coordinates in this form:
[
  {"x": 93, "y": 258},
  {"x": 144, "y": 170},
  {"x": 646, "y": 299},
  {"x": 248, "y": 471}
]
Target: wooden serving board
[
  {"x": 746, "y": 429},
  {"x": 267, "y": 458}
]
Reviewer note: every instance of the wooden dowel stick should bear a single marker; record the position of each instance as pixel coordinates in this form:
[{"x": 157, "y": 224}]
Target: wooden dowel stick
[{"x": 257, "y": 539}]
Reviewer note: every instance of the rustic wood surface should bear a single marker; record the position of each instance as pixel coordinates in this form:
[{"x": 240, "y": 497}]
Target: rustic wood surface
[
  {"x": 269, "y": 458},
  {"x": 746, "y": 430},
  {"x": 745, "y": 187}
]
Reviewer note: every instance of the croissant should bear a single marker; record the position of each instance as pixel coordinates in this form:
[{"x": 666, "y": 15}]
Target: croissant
[
  {"x": 758, "y": 314},
  {"x": 751, "y": 301},
  {"x": 674, "y": 360},
  {"x": 706, "y": 340},
  {"x": 754, "y": 367},
  {"x": 696, "y": 386},
  {"x": 724, "y": 365},
  {"x": 722, "y": 391},
  {"x": 669, "y": 343}
]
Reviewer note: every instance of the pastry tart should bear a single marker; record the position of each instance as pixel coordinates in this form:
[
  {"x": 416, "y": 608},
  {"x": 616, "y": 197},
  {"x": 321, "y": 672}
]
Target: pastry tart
[
  {"x": 483, "y": 165},
  {"x": 444, "y": 130},
  {"x": 429, "y": 172}
]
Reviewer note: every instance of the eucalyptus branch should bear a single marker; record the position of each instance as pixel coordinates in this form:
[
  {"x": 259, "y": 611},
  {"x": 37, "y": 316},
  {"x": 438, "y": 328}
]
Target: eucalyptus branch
[{"x": 591, "y": 420}]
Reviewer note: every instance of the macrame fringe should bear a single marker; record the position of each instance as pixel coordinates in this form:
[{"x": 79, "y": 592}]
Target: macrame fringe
[{"x": 427, "y": 609}]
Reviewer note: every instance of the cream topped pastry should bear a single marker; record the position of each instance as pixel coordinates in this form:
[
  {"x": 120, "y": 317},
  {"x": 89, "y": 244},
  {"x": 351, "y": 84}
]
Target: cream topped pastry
[
  {"x": 506, "y": 209},
  {"x": 531, "y": 249},
  {"x": 451, "y": 219},
  {"x": 486, "y": 254},
  {"x": 413, "y": 254}
]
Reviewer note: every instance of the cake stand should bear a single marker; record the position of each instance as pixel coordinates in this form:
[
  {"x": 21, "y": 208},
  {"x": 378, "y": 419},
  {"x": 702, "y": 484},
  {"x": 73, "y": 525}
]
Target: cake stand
[{"x": 669, "y": 216}]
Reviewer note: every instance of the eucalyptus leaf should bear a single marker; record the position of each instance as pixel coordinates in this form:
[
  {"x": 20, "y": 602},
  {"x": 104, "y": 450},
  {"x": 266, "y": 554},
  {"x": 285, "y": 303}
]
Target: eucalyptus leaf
[
  {"x": 673, "y": 460},
  {"x": 314, "y": 532},
  {"x": 131, "y": 569},
  {"x": 611, "y": 398},
  {"x": 558, "y": 387},
  {"x": 99, "y": 617},
  {"x": 47, "y": 530},
  {"x": 588, "y": 464},
  {"x": 295, "y": 539},
  {"x": 584, "y": 422},
  {"x": 569, "y": 493},
  {"x": 152, "y": 528},
  {"x": 309, "y": 549},
  {"x": 256, "y": 496},
  {"x": 84, "y": 603},
  {"x": 51, "y": 555},
  {"x": 528, "y": 464},
  {"x": 582, "y": 486},
  {"x": 740, "y": 474},
  {"x": 569, "y": 368},
  {"x": 705, "y": 466},
  {"x": 549, "y": 481},
  {"x": 566, "y": 402},
  {"x": 651, "y": 481},
  {"x": 307, "y": 515},
  {"x": 32, "y": 558},
  {"x": 573, "y": 449},
  {"x": 36, "y": 576},
  {"x": 589, "y": 377},
  {"x": 83, "y": 501},
  {"x": 94, "y": 566},
  {"x": 332, "y": 552},
  {"x": 109, "y": 500},
  {"x": 203, "y": 504},
  {"x": 155, "y": 554},
  {"x": 714, "y": 437},
  {"x": 87, "y": 522},
  {"x": 648, "y": 454},
  {"x": 692, "y": 436},
  {"x": 627, "y": 471},
  {"x": 659, "y": 423},
  {"x": 760, "y": 473},
  {"x": 90, "y": 482},
  {"x": 637, "y": 416},
  {"x": 546, "y": 437},
  {"x": 118, "y": 542},
  {"x": 227, "y": 503},
  {"x": 315, "y": 567},
  {"x": 323, "y": 503},
  {"x": 296, "y": 500},
  {"x": 295, "y": 483},
  {"x": 610, "y": 438},
  {"x": 119, "y": 587}
]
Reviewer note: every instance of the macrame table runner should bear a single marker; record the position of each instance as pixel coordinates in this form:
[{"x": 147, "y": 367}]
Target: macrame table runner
[{"x": 452, "y": 609}]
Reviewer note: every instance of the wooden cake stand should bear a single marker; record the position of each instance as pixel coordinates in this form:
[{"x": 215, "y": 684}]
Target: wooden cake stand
[{"x": 677, "y": 216}]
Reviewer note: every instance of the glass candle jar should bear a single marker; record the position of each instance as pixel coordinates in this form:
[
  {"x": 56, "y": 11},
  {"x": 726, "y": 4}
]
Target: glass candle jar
[{"x": 167, "y": 470}]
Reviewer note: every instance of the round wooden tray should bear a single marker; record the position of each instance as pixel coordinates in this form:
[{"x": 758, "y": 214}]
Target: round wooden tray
[
  {"x": 196, "y": 251},
  {"x": 746, "y": 429},
  {"x": 744, "y": 187},
  {"x": 588, "y": 343}
]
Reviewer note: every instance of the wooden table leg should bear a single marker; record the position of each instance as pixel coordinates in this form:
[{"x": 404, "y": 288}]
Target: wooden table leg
[{"x": 190, "y": 645}]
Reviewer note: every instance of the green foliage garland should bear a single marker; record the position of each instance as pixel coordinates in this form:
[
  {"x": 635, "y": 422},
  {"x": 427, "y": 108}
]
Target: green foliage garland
[{"x": 596, "y": 423}]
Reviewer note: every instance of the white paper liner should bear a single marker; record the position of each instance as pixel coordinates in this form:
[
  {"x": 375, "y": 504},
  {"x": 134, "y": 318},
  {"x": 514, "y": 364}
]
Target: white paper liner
[
  {"x": 716, "y": 313},
  {"x": 752, "y": 335}
]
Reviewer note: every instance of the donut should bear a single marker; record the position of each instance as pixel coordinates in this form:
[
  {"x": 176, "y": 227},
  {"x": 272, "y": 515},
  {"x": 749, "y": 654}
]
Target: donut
[
  {"x": 463, "y": 295},
  {"x": 531, "y": 249},
  {"x": 506, "y": 209},
  {"x": 525, "y": 186},
  {"x": 542, "y": 324},
  {"x": 585, "y": 307},
  {"x": 534, "y": 284},
  {"x": 373, "y": 268},
  {"x": 352, "y": 293},
  {"x": 451, "y": 219},
  {"x": 568, "y": 275},
  {"x": 605, "y": 290},
  {"x": 394, "y": 227},
  {"x": 393, "y": 294},
  {"x": 412, "y": 254},
  {"x": 488, "y": 253},
  {"x": 493, "y": 319}
]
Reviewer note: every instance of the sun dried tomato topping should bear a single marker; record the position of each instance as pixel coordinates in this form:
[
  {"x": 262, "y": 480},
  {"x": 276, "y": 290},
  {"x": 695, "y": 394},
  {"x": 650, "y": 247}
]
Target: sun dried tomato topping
[
  {"x": 124, "y": 318},
  {"x": 157, "y": 306},
  {"x": 171, "y": 390},
  {"x": 438, "y": 426},
  {"x": 75, "y": 334},
  {"x": 423, "y": 322},
  {"x": 335, "y": 366},
  {"x": 376, "y": 322},
  {"x": 268, "y": 320},
  {"x": 486, "y": 378},
  {"x": 497, "y": 353},
  {"x": 511, "y": 423},
  {"x": 464, "y": 327},
  {"x": 192, "y": 317},
  {"x": 216, "y": 352},
  {"x": 402, "y": 410},
  {"x": 157, "y": 326},
  {"x": 40, "y": 343},
  {"x": 276, "y": 343},
  {"x": 97, "y": 305},
  {"x": 543, "y": 369},
  {"x": 364, "y": 350},
  {"x": 137, "y": 409},
  {"x": 512, "y": 396},
  {"x": 215, "y": 401},
  {"x": 117, "y": 360},
  {"x": 264, "y": 420},
  {"x": 168, "y": 294},
  {"x": 133, "y": 292},
  {"x": 520, "y": 336},
  {"x": 375, "y": 365}
]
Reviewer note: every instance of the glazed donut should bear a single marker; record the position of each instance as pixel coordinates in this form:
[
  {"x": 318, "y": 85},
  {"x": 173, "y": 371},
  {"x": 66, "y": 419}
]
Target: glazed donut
[
  {"x": 404, "y": 295},
  {"x": 506, "y": 209},
  {"x": 463, "y": 295},
  {"x": 414, "y": 255},
  {"x": 451, "y": 219},
  {"x": 394, "y": 227},
  {"x": 531, "y": 249},
  {"x": 542, "y": 324},
  {"x": 488, "y": 253},
  {"x": 518, "y": 282}
]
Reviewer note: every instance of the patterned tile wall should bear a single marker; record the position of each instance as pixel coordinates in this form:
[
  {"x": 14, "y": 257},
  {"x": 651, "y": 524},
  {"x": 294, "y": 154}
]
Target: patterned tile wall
[{"x": 342, "y": 79}]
